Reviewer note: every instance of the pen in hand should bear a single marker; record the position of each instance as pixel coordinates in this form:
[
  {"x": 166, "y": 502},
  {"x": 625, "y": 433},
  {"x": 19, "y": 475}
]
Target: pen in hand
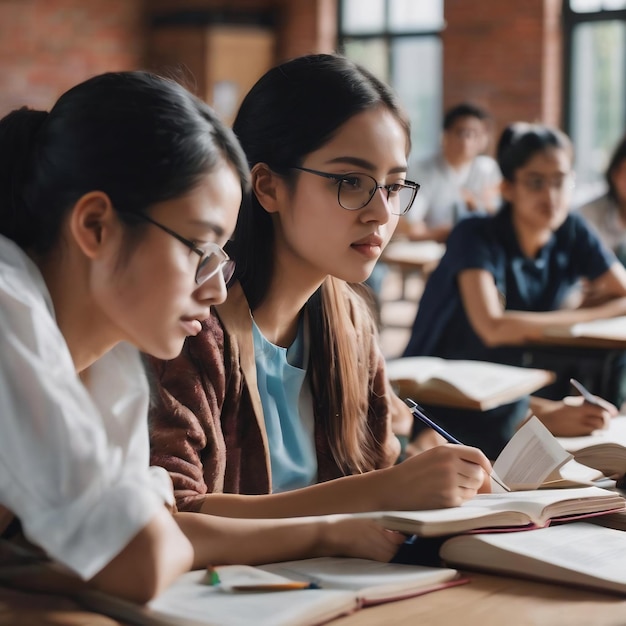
[
  {"x": 585, "y": 393},
  {"x": 417, "y": 412}
]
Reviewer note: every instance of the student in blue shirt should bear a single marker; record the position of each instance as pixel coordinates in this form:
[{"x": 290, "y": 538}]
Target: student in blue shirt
[
  {"x": 505, "y": 277},
  {"x": 114, "y": 207},
  {"x": 280, "y": 405}
]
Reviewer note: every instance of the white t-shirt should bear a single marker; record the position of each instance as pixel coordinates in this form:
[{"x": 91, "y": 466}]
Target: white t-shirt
[
  {"x": 74, "y": 462},
  {"x": 439, "y": 201}
]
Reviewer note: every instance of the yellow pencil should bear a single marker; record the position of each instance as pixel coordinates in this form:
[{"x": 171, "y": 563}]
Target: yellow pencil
[{"x": 291, "y": 586}]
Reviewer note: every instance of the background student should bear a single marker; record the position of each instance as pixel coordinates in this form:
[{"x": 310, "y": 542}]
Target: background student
[
  {"x": 607, "y": 214},
  {"x": 113, "y": 210},
  {"x": 456, "y": 182},
  {"x": 281, "y": 404},
  {"x": 505, "y": 277}
]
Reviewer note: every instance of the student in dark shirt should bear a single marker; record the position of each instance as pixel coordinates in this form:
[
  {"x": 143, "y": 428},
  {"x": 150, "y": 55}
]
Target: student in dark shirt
[{"x": 505, "y": 277}]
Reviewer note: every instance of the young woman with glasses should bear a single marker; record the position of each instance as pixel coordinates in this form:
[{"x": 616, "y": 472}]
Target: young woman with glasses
[
  {"x": 113, "y": 210},
  {"x": 281, "y": 405},
  {"x": 505, "y": 277}
]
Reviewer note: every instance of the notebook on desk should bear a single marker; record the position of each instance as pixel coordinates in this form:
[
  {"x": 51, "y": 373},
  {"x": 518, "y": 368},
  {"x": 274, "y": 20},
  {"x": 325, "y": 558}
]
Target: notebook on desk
[{"x": 344, "y": 586}]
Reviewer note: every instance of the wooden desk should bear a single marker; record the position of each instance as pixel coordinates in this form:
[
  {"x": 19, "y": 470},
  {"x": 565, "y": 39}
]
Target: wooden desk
[
  {"x": 605, "y": 334},
  {"x": 413, "y": 256},
  {"x": 484, "y": 601},
  {"x": 497, "y": 601}
]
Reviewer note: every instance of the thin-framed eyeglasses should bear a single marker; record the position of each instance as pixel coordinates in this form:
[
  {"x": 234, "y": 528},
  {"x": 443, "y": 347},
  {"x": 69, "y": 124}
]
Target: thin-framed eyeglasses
[
  {"x": 355, "y": 190},
  {"x": 213, "y": 258}
]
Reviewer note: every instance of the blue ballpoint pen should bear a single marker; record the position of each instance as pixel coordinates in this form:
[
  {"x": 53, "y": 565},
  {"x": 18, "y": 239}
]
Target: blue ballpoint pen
[{"x": 417, "y": 412}]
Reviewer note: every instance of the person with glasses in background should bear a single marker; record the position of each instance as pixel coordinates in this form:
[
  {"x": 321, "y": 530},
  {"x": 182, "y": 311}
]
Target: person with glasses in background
[
  {"x": 113, "y": 210},
  {"x": 504, "y": 277},
  {"x": 281, "y": 405},
  {"x": 458, "y": 181}
]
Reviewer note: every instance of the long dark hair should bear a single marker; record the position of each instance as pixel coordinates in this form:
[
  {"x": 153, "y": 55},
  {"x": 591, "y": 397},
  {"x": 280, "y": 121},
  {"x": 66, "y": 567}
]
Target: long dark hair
[
  {"x": 619, "y": 155},
  {"x": 139, "y": 138},
  {"x": 293, "y": 110}
]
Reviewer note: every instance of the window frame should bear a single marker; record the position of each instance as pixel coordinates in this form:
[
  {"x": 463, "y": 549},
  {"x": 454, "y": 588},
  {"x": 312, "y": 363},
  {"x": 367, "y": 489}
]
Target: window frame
[{"x": 570, "y": 20}]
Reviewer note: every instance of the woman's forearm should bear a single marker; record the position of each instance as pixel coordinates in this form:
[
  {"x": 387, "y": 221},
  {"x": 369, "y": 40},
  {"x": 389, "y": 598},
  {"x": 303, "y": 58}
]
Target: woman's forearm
[
  {"x": 219, "y": 540},
  {"x": 351, "y": 494}
]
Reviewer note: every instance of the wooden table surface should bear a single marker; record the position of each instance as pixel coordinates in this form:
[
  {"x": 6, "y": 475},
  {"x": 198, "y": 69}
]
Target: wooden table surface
[
  {"x": 484, "y": 601},
  {"x": 497, "y": 601}
]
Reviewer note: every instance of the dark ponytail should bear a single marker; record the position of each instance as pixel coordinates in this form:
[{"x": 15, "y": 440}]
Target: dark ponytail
[
  {"x": 18, "y": 138},
  {"x": 138, "y": 137}
]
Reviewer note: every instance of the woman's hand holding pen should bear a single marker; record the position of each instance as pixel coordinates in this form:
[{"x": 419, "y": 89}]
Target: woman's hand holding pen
[{"x": 441, "y": 477}]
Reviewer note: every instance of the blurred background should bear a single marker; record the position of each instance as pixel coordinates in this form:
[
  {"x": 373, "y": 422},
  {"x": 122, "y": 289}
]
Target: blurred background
[
  {"x": 560, "y": 62},
  {"x": 556, "y": 61}
]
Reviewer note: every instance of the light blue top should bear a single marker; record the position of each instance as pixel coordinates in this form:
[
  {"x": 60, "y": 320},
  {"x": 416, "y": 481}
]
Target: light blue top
[{"x": 280, "y": 376}]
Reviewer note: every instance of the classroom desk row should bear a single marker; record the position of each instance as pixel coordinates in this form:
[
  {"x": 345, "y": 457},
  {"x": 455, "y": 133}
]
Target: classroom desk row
[{"x": 484, "y": 601}]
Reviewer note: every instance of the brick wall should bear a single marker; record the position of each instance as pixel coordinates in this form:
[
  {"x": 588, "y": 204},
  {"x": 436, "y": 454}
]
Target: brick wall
[
  {"x": 46, "y": 46},
  {"x": 505, "y": 56},
  {"x": 301, "y": 26}
]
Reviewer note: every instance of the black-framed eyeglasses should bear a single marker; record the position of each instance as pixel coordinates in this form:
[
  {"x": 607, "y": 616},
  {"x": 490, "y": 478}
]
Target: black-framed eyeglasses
[
  {"x": 355, "y": 190},
  {"x": 213, "y": 258}
]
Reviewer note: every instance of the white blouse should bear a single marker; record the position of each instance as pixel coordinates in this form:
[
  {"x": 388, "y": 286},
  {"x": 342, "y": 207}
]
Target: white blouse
[{"x": 74, "y": 461}]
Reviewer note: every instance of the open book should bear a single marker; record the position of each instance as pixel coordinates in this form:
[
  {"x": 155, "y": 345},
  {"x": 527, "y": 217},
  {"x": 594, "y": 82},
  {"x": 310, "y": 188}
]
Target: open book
[
  {"x": 580, "y": 554},
  {"x": 533, "y": 458},
  {"x": 342, "y": 586},
  {"x": 516, "y": 510},
  {"x": 605, "y": 450},
  {"x": 613, "y": 328},
  {"x": 475, "y": 385}
]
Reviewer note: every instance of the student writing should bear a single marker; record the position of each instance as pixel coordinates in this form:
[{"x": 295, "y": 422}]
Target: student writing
[
  {"x": 114, "y": 208},
  {"x": 281, "y": 404}
]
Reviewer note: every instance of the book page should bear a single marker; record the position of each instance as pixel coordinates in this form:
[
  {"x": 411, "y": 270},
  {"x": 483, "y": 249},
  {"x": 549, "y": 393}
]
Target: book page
[
  {"x": 573, "y": 474},
  {"x": 504, "y": 510},
  {"x": 579, "y": 553},
  {"x": 530, "y": 456},
  {"x": 188, "y": 601},
  {"x": 417, "y": 368},
  {"x": 481, "y": 380},
  {"x": 361, "y": 575},
  {"x": 478, "y": 380}
]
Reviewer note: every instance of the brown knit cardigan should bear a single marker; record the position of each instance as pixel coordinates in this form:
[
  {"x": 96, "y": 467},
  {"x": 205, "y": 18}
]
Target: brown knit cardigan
[{"x": 206, "y": 423}]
